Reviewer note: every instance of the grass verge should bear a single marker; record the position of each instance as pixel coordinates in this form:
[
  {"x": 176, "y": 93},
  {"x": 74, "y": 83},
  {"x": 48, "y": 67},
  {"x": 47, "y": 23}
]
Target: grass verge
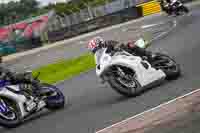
[{"x": 65, "y": 69}]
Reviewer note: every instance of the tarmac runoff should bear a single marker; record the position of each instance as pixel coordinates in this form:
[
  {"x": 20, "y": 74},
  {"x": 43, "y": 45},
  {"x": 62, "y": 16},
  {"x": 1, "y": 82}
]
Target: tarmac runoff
[{"x": 170, "y": 115}]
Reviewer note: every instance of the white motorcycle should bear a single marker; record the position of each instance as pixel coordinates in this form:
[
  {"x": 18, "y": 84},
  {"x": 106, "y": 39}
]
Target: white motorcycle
[
  {"x": 19, "y": 101},
  {"x": 130, "y": 74}
]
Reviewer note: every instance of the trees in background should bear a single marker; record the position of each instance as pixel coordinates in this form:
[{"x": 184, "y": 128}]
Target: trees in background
[
  {"x": 77, "y": 5},
  {"x": 14, "y": 11},
  {"x": 23, "y": 9}
]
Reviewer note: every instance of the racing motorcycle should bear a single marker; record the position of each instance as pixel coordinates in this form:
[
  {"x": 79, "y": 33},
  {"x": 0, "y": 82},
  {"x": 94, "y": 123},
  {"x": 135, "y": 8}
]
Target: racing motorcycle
[
  {"x": 176, "y": 7},
  {"x": 130, "y": 74},
  {"x": 18, "y": 101}
]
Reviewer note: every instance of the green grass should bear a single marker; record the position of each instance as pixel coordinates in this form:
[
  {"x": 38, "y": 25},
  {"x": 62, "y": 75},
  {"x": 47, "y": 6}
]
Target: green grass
[{"x": 65, "y": 69}]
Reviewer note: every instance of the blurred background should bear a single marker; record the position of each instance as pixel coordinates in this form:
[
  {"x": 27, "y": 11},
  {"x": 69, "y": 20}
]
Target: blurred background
[{"x": 28, "y": 24}]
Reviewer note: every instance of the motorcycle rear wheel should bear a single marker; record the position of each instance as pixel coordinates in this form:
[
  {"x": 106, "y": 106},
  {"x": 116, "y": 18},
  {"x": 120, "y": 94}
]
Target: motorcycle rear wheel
[
  {"x": 168, "y": 65},
  {"x": 55, "y": 98}
]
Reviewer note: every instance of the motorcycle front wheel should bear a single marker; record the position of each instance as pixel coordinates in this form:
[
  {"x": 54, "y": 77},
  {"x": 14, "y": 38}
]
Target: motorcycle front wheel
[
  {"x": 122, "y": 79},
  {"x": 10, "y": 115}
]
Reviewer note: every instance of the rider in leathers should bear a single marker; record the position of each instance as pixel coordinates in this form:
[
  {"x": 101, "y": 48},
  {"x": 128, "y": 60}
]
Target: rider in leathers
[
  {"x": 129, "y": 47},
  {"x": 16, "y": 78}
]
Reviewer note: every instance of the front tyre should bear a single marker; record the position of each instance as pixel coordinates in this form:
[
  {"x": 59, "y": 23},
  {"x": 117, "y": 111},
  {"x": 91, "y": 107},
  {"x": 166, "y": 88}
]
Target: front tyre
[
  {"x": 55, "y": 98},
  {"x": 10, "y": 116},
  {"x": 123, "y": 80}
]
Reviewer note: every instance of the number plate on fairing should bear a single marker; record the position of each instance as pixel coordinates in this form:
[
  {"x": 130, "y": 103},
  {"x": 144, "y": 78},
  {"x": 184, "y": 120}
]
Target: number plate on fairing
[{"x": 30, "y": 105}]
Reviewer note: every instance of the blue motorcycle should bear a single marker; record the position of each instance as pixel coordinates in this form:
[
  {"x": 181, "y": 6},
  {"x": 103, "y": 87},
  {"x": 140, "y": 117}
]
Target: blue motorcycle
[{"x": 21, "y": 100}]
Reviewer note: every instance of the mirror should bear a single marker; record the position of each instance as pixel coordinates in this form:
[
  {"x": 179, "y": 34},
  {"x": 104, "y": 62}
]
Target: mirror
[{"x": 140, "y": 43}]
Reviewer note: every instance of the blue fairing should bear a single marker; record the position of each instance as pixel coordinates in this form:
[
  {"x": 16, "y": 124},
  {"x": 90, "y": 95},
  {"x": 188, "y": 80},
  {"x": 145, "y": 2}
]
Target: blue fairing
[
  {"x": 55, "y": 89},
  {"x": 58, "y": 98},
  {"x": 4, "y": 83},
  {"x": 3, "y": 107}
]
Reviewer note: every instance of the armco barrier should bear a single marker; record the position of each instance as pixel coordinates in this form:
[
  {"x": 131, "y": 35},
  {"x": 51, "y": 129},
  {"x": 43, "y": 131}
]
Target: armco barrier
[
  {"x": 150, "y": 8},
  {"x": 94, "y": 24},
  {"x": 124, "y": 15}
]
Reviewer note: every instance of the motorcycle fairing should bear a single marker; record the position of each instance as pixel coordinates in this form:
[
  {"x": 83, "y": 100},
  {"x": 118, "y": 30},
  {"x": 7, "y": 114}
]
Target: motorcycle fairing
[
  {"x": 14, "y": 88},
  {"x": 3, "y": 107},
  {"x": 19, "y": 99},
  {"x": 144, "y": 76}
]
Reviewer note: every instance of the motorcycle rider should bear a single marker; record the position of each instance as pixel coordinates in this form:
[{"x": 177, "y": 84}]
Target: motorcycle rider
[
  {"x": 169, "y": 1},
  {"x": 173, "y": 7},
  {"x": 17, "y": 78},
  {"x": 131, "y": 47},
  {"x": 166, "y": 6},
  {"x": 6, "y": 74}
]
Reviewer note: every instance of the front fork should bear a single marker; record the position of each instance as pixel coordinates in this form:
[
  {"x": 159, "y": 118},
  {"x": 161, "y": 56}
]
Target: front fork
[
  {"x": 3, "y": 107},
  {"x": 104, "y": 78}
]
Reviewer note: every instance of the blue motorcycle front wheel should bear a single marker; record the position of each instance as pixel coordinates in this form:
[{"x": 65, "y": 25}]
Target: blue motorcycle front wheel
[{"x": 10, "y": 116}]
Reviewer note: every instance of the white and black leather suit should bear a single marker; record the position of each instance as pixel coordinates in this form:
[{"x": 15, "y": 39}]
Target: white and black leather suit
[{"x": 113, "y": 45}]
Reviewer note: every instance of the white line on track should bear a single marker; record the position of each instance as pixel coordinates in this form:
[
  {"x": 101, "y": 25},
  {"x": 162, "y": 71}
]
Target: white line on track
[
  {"x": 164, "y": 33},
  {"x": 152, "y": 109},
  {"x": 152, "y": 25}
]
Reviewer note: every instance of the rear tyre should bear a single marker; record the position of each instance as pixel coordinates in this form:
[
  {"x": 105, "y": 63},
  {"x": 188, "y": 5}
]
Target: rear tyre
[
  {"x": 55, "y": 98},
  {"x": 12, "y": 118},
  {"x": 127, "y": 87},
  {"x": 168, "y": 65}
]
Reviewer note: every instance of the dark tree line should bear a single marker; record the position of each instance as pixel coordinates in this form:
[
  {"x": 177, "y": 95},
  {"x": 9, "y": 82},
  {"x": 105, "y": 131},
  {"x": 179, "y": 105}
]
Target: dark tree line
[
  {"x": 23, "y": 9},
  {"x": 13, "y": 11},
  {"x": 77, "y": 5}
]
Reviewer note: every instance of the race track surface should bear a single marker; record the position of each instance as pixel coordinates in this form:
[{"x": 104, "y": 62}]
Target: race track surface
[{"x": 94, "y": 106}]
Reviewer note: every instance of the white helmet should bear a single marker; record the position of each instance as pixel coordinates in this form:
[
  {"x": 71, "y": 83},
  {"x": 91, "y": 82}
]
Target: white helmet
[{"x": 95, "y": 43}]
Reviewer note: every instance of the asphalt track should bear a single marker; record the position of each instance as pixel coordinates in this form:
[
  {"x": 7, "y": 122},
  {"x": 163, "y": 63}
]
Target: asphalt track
[{"x": 94, "y": 106}]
